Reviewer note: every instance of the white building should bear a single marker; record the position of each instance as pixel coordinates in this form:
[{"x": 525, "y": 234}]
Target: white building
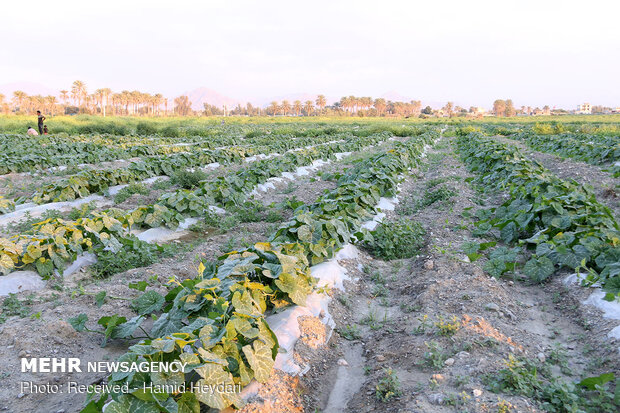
[{"x": 584, "y": 109}]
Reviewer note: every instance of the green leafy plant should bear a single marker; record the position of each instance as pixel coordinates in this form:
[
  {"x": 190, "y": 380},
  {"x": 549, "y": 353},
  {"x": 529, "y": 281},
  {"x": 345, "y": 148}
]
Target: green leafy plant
[
  {"x": 350, "y": 332},
  {"x": 130, "y": 190},
  {"x": 434, "y": 356},
  {"x": 560, "y": 219},
  {"x": 12, "y": 306},
  {"x": 523, "y": 377},
  {"x": 187, "y": 179},
  {"x": 140, "y": 254},
  {"x": 388, "y": 386},
  {"x": 396, "y": 239}
]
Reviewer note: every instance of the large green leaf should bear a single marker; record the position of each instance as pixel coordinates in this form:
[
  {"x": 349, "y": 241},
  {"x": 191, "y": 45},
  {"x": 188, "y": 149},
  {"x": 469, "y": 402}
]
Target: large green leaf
[
  {"x": 126, "y": 330},
  {"x": 79, "y": 322},
  {"x": 149, "y": 302},
  {"x": 495, "y": 267},
  {"x": 539, "y": 269}
]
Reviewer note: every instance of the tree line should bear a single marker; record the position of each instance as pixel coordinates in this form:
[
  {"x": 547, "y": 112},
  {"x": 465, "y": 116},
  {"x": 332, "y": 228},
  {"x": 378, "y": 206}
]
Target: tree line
[
  {"x": 78, "y": 100},
  {"x": 135, "y": 103}
]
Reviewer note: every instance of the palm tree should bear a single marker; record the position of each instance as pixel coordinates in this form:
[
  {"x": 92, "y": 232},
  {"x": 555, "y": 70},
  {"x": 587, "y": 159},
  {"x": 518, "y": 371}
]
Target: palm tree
[
  {"x": 50, "y": 104},
  {"x": 125, "y": 96},
  {"x": 308, "y": 107},
  {"x": 380, "y": 105},
  {"x": 366, "y": 102},
  {"x": 134, "y": 100},
  {"x": 78, "y": 92},
  {"x": 321, "y": 102},
  {"x": 297, "y": 107},
  {"x": 98, "y": 94},
  {"x": 64, "y": 95},
  {"x": 18, "y": 98},
  {"x": 116, "y": 102},
  {"x": 106, "y": 98},
  {"x": 273, "y": 108},
  {"x": 345, "y": 103},
  {"x": 286, "y": 107},
  {"x": 157, "y": 99},
  {"x": 37, "y": 101},
  {"x": 352, "y": 103},
  {"x": 89, "y": 101}
]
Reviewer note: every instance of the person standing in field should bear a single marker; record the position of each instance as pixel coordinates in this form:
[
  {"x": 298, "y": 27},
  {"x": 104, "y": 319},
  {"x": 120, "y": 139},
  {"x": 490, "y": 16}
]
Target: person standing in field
[
  {"x": 45, "y": 131},
  {"x": 40, "y": 120}
]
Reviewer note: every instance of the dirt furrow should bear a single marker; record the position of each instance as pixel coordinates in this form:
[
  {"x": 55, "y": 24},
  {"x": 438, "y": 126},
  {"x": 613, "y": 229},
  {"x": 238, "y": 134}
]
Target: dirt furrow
[{"x": 438, "y": 325}]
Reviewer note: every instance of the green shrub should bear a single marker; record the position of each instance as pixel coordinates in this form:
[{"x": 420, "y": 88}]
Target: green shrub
[
  {"x": 134, "y": 254},
  {"x": 187, "y": 179},
  {"x": 248, "y": 211},
  {"x": 128, "y": 191},
  {"x": 209, "y": 222},
  {"x": 145, "y": 128},
  {"x": 274, "y": 216},
  {"x": 161, "y": 184},
  {"x": 400, "y": 238},
  {"x": 171, "y": 132}
]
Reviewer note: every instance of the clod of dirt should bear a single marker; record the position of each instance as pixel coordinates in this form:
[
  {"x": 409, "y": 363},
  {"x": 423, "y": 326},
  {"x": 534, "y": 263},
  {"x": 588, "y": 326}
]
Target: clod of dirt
[{"x": 313, "y": 332}]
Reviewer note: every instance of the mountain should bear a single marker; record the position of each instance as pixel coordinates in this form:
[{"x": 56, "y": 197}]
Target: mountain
[
  {"x": 31, "y": 88},
  {"x": 203, "y": 95},
  {"x": 395, "y": 96}
]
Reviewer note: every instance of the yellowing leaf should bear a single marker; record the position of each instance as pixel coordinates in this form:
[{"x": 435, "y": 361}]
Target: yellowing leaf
[{"x": 259, "y": 356}]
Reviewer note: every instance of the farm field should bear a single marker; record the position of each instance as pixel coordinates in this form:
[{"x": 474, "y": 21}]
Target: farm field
[{"x": 314, "y": 265}]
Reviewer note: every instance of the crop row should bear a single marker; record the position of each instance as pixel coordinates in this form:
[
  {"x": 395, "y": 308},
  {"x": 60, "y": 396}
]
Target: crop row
[
  {"x": 216, "y": 322},
  {"x": 594, "y": 150},
  {"x": 35, "y": 153},
  {"x": 560, "y": 221},
  {"x": 56, "y": 240},
  {"x": 91, "y": 181},
  {"x": 16, "y": 145},
  {"x": 36, "y": 158}
]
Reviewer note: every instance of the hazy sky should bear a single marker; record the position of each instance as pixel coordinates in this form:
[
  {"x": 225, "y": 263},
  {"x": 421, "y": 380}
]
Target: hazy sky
[{"x": 535, "y": 52}]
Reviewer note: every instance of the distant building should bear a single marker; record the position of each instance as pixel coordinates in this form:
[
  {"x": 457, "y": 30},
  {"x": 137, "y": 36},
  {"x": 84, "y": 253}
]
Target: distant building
[
  {"x": 542, "y": 112},
  {"x": 584, "y": 109}
]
